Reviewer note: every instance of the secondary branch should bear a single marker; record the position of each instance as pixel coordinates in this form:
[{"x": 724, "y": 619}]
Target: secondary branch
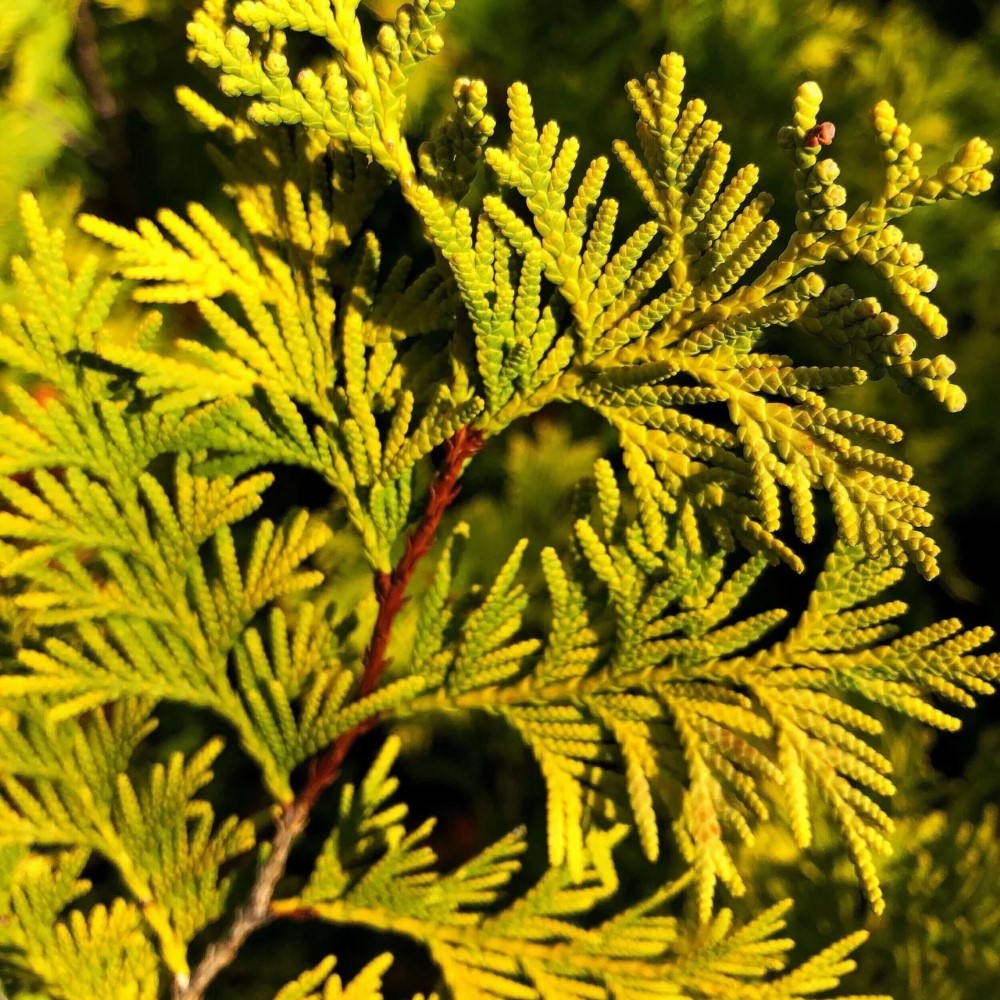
[{"x": 390, "y": 590}]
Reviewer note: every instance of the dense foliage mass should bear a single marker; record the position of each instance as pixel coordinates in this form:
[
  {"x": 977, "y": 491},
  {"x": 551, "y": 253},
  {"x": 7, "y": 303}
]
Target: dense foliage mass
[{"x": 231, "y": 538}]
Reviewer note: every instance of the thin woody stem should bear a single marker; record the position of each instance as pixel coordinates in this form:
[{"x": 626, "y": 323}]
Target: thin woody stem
[
  {"x": 114, "y": 158},
  {"x": 390, "y": 590},
  {"x": 253, "y": 915}
]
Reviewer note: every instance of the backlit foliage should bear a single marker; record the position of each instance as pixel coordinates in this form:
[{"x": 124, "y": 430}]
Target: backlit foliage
[{"x": 137, "y": 570}]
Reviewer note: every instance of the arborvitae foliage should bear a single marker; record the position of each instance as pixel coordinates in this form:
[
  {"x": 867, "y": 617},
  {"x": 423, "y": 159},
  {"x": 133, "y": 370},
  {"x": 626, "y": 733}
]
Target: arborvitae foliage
[
  {"x": 942, "y": 880},
  {"x": 138, "y": 573}
]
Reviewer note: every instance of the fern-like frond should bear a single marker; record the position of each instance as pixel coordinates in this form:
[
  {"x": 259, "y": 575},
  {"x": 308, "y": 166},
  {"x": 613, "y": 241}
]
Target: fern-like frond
[
  {"x": 844, "y": 646},
  {"x": 66, "y": 785},
  {"x": 58, "y": 411},
  {"x": 171, "y": 837},
  {"x": 535, "y": 945},
  {"x": 72, "y": 954},
  {"x": 124, "y": 598},
  {"x": 56, "y": 312},
  {"x": 115, "y": 588},
  {"x": 646, "y": 696},
  {"x": 514, "y": 333},
  {"x": 303, "y": 373},
  {"x": 358, "y": 96},
  {"x": 52, "y": 769},
  {"x": 370, "y": 854},
  {"x": 666, "y": 323}
]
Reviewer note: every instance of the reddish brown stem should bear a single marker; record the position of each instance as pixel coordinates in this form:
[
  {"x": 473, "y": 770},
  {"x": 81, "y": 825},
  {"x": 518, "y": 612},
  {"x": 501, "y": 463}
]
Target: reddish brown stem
[{"x": 390, "y": 589}]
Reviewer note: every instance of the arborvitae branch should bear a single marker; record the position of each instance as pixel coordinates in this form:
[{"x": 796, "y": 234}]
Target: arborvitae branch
[
  {"x": 656, "y": 680},
  {"x": 648, "y": 705},
  {"x": 390, "y": 589},
  {"x": 540, "y": 944}
]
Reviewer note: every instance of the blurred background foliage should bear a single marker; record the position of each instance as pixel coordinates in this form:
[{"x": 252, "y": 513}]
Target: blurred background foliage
[{"x": 88, "y": 120}]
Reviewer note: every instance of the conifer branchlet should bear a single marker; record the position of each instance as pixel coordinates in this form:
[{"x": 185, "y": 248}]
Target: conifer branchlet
[{"x": 136, "y": 569}]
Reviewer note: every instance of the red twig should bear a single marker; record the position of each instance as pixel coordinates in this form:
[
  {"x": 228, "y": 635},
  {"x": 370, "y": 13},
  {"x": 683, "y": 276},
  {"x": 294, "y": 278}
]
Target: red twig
[{"x": 390, "y": 589}]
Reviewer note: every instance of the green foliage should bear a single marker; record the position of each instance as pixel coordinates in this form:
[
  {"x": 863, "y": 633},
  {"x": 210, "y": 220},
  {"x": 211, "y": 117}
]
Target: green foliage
[
  {"x": 643, "y": 683},
  {"x": 939, "y": 75},
  {"x": 533, "y": 946},
  {"x": 149, "y": 564},
  {"x": 941, "y": 880}
]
